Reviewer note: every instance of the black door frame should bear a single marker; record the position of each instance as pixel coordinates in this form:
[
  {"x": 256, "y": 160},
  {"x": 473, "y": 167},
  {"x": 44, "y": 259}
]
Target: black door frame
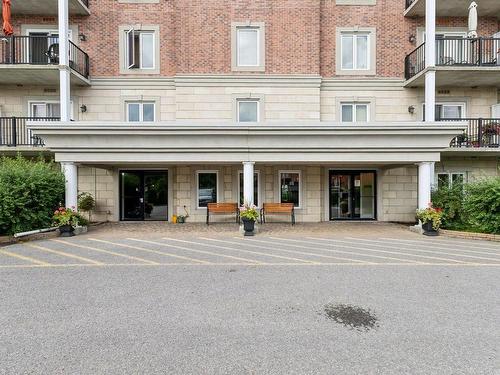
[
  {"x": 352, "y": 172},
  {"x": 141, "y": 172}
]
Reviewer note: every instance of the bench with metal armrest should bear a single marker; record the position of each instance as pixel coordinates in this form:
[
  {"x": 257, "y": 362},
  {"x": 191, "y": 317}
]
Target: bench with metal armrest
[
  {"x": 223, "y": 208},
  {"x": 277, "y": 208}
]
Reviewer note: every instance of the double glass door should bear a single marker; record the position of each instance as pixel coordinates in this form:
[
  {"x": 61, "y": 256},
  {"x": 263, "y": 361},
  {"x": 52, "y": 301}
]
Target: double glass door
[
  {"x": 352, "y": 195},
  {"x": 144, "y": 195}
]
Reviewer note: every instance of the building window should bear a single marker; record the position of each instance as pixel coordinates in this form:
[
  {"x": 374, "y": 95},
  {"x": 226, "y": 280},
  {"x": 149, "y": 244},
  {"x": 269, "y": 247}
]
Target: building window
[
  {"x": 248, "y": 110},
  {"x": 355, "y": 49},
  {"x": 140, "y": 111},
  {"x": 447, "y": 111},
  {"x": 255, "y": 189},
  {"x": 247, "y": 46},
  {"x": 140, "y": 49},
  {"x": 47, "y": 108},
  {"x": 206, "y": 187},
  {"x": 449, "y": 179},
  {"x": 290, "y": 187},
  {"x": 355, "y": 112},
  {"x": 248, "y": 52}
]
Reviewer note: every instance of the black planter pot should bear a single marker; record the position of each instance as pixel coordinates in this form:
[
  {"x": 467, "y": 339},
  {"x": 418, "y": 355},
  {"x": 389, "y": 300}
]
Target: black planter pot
[
  {"x": 428, "y": 229},
  {"x": 66, "y": 231},
  {"x": 248, "y": 226}
]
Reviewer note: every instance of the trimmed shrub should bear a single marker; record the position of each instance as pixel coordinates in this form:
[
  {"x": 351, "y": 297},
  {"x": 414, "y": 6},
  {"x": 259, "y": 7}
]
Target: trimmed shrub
[
  {"x": 482, "y": 205},
  {"x": 30, "y": 191},
  {"x": 450, "y": 199}
]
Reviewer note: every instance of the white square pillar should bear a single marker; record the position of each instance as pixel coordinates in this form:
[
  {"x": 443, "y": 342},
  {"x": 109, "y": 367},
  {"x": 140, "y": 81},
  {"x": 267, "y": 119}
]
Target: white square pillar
[
  {"x": 70, "y": 171},
  {"x": 425, "y": 172},
  {"x": 430, "y": 60},
  {"x": 64, "y": 70},
  {"x": 248, "y": 188}
]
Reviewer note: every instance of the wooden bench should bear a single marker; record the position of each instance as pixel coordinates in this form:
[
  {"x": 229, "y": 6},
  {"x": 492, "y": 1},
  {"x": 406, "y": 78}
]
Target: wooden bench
[
  {"x": 277, "y": 208},
  {"x": 223, "y": 208}
]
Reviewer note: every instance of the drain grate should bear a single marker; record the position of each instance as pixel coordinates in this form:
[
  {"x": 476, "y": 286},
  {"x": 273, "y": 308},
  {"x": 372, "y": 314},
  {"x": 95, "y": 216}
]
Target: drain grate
[{"x": 351, "y": 316}]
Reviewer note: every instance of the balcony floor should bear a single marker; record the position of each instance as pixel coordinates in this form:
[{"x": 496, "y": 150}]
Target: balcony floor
[
  {"x": 455, "y": 8},
  {"x": 462, "y": 76},
  {"x": 47, "y": 7},
  {"x": 36, "y": 75}
]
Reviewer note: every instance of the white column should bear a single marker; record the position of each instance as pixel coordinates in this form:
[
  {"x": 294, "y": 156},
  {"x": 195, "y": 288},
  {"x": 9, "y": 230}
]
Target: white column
[
  {"x": 64, "y": 71},
  {"x": 248, "y": 182},
  {"x": 430, "y": 60},
  {"x": 70, "y": 171},
  {"x": 424, "y": 183}
]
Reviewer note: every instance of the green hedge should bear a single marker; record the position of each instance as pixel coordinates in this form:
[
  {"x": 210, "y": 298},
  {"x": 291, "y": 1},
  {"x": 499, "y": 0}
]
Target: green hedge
[
  {"x": 30, "y": 191},
  {"x": 473, "y": 207}
]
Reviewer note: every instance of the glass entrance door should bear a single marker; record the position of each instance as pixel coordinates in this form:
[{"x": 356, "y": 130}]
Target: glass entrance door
[
  {"x": 144, "y": 195},
  {"x": 352, "y": 195}
]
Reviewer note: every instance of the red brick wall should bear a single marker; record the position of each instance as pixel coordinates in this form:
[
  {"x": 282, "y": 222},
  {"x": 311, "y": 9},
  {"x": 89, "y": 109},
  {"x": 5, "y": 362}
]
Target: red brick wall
[{"x": 195, "y": 35}]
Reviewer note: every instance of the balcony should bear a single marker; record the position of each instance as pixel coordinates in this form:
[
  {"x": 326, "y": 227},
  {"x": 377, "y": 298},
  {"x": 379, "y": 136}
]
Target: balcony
[
  {"x": 459, "y": 62},
  {"x": 33, "y": 60},
  {"x": 14, "y": 135},
  {"x": 480, "y": 133},
  {"x": 48, "y": 7},
  {"x": 452, "y": 8}
]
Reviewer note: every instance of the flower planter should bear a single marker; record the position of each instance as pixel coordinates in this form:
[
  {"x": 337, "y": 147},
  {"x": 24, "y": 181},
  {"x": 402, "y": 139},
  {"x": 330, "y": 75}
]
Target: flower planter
[
  {"x": 428, "y": 229},
  {"x": 248, "y": 226},
  {"x": 66, "y": 231}
]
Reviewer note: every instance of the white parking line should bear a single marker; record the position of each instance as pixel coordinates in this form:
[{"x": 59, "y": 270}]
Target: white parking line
[
  {"x": 335, "y": 251},
  {"x": 340, "y": 243},
  {"x": 151, "y": 251},
  {"x": 424, "y": 251},
  {"x": 63, "y": 254},
  {"x": 456, "y": 244},
  {"x": 196, "y": 251},
  {"x": 234, "y": 249},
  {"x": 105, "y": 251}
]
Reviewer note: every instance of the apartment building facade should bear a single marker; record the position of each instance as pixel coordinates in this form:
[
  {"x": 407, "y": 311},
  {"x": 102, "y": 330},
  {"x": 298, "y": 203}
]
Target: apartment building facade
[{"x": 159, "y": 107}]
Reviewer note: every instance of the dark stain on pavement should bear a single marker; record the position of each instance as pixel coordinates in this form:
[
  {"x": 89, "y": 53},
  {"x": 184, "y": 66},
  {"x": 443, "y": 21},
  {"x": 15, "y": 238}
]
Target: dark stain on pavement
[{"x": 351, "y": 316}]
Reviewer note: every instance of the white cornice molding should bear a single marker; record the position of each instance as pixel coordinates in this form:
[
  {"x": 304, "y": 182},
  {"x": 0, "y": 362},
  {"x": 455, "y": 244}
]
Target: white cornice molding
[
  {"x": 249, "y": 80},
  {"x": 385, "y": 84},
  {"x": 164, "y": 142}
]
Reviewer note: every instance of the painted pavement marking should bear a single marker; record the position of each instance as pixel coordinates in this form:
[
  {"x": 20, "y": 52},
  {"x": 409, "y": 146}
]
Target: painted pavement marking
[
  {"x": 106, "y": 252},
  {"x": 251, "y": 261},
  {"x": 340, "y": 243},
  {"x": 151, "y": 251},
  {"x": 246, "y": 251},
  {"x": 24, "y": 257},
  {"x": 246, "y": 243},
  {"x": 398, "y": 246},
  {"x": 347, "y": 252},
  {"x": 455, "y": 244},
  {"x": 62, "y": 253}
]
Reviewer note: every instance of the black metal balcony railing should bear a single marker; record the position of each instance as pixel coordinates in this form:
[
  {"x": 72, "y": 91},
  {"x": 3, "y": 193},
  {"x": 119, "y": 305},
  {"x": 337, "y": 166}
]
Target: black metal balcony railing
[
  {"x": 482, "y": 52},
  {"x": 85, "y": 2},
  {"x": 480, "y": 132},
  {"x": 408, "y": 3},
  {"x": 41, "y": 50},
  {"x": 13, "y": 131}
]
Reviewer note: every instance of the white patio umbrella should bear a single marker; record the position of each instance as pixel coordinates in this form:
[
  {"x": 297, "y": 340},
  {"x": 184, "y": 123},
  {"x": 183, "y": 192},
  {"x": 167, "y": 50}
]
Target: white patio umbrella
[{"x": 472, "y": 20}]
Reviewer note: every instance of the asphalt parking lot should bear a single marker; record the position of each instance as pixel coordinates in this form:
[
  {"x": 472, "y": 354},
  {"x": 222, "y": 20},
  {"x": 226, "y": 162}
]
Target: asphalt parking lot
[{"x": 195, "y": 304}]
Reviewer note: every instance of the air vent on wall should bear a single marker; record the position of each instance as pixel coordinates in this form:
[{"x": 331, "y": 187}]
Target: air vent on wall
[
  {"x": 46, "y": 90},
  {"x": 444, "y": 92}
]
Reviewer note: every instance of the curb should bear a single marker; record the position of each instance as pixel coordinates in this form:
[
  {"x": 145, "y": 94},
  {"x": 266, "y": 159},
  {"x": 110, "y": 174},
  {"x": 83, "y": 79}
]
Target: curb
[{"x": 470, "y": 235}]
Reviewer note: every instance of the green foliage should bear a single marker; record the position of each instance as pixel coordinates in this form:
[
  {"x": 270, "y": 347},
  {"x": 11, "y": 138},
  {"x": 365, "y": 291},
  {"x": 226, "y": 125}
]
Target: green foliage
[
  {"x": 29, "y": 193},
  {"x": 482, "y": 205},
  {"x": 249, "y": 212},
  {"x": 66, "y": 216},
  {"x": 86, "y": 202},
  {"x": 431, "y": 214},
  {"x": 450, "y": 199}
]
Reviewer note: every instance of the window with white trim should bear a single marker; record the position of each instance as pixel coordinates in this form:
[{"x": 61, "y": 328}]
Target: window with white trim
[
  {"x": 355, "y": 112},
  {"x": 448, "y": 179},
  {"x": 256, "y": 185},
  {"x": 140, "y": 49},
  {"x": 140, "y": 111},
  {"x": 290, "y": 187},
  {"x": 447, "y": 110},
  {"x": 247, "y": 46},
  {"x": 355, "y": 51},
  {"x": 47, "y": 108},
  {"x": 247, "y": 110},
  {"x": 206, "y": 188}
]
